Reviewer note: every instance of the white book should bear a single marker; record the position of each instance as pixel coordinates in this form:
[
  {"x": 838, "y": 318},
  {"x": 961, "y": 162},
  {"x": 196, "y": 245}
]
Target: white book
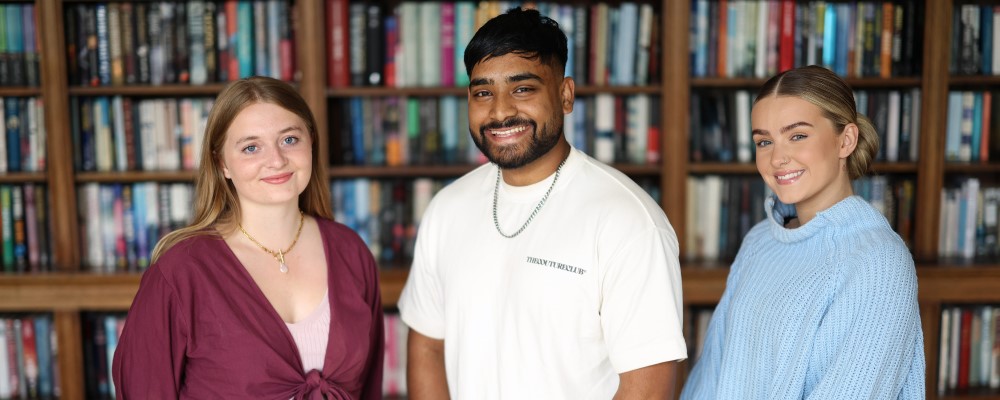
[
  {"x": 956, "y": 338},
  {"x": 5, "y": 388},
  {"x": 944, "y": 351},
  {"x": 409, "y": 63},
  {"x": 995, "y": 355},
  {"x": 109, "y": 229},
  {"x": 118, "y": 115},
  {"x": 196, "y": 42},
  {"x": 714, "y": 187},
  {"x": 744, "y": 142},
  {"x": 638, "y": 128},
  {"x": 90, "y": 206},
  {"x": 892, "y": 130},
  {"x": 644, "y": 40},
  {"x": 41, "y": 152},
  {"x": 180, "y": 203},
  {"x": 762, "y": 44},
  {"x": 274, "y": 24},
  {"x": 430, "y": 44},
  {"x": 147, "y": 134},
  {"x": 33, "y": 122},
  {"x": 152, "y": 222},
  {"x": 971, "y": 199},
  {"x": 423, "y": 191},
  {"x": 625, "y": 39},
  {"x": 170, "y": 154},
  {"x": 604, "y": 127}
]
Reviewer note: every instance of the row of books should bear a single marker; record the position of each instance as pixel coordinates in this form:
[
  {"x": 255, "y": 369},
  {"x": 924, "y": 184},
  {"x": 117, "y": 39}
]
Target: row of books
[
  {"x": 195, "y": 42},
  {"x": 22, "y": 134},
  {"x": 18, "y": 45},
  {"x": 131, "y": 134},
  {"x": 25, "y": 244},
  {"x": 423, "y": 43},
  {"x": 720, "y": 124},
  {"x": 974, "y": 29},
  {"x": 697, "y": 321},
  {"x": 971, "y": 135},
  {"x": 722, "y": 209},
  {"x": 969, "y": 225},
  {"x": 435, "y": 130},
  {"x": 28, "y": 357},
  {"x": 731, "y": 38},
  {"x": 385, "y": 213},
  {"x": 394, "y": 364},
  {"x": 100, "y": 339},
  {"x": 969, "y": 349},
  {"x": 121, "y": 223}
]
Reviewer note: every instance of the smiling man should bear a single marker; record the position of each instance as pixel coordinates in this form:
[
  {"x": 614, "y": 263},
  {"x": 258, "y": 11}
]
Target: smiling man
[{"x": 543, "y": 274}]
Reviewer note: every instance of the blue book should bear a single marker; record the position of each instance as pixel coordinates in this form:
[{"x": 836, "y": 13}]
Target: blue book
[
  {"x": 111, "y": 337},
  {"x": 43, "y": 347},
  {"x": 358, "y": 130},
  {"x": 977, "y": 125},
  {"x": 986, "y": 39},
  {"x": 953, "y": 136},
  {"x": 142, "y": 251},
  {"x": 829, "y": 36},
  {"x": 449, "y": 128},
  {"x": 245, "y": 38},
  {"x": 13, "y": 124}
]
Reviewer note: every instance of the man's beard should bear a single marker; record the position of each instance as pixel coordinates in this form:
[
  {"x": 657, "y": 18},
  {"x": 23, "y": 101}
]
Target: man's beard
[{"x": 511, "y": 157}]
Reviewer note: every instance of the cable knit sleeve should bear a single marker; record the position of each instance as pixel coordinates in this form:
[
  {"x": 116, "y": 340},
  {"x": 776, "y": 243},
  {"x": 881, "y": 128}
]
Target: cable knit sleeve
[{"x": 866, "y": 342}]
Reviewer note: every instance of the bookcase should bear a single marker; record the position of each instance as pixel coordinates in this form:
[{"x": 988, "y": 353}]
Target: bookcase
[{"x": 69, "y": 289}]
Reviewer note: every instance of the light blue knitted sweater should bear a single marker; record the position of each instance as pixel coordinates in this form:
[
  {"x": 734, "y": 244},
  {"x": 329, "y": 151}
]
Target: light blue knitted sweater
[{"x": 824, "y": 311}]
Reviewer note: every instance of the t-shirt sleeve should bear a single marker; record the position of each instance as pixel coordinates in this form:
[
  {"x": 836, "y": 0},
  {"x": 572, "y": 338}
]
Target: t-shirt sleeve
[
  {"x": 150, "y": 356},
  {"x": 421, "y": 305},
  {"x": 642, "y": 307},
  {"x": 871, "y": 334}
]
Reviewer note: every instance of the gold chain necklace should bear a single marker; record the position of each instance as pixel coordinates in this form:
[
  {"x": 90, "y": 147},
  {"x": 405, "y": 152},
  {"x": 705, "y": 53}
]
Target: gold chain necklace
[{"x": 280, "y": 254}]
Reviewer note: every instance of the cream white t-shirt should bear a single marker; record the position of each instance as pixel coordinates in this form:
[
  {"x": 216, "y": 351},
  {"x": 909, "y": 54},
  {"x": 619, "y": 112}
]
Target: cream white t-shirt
[{"x": 589, "y": 290}]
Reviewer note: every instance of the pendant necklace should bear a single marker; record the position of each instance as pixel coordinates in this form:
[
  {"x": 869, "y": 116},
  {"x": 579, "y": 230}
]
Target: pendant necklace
[
  {"x": 496, "y": 195},
  {"x": 280, "y": 254}
]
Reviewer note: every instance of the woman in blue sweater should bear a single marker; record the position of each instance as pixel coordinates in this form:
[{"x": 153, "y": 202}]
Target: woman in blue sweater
[{"x": 821, "y": 301}]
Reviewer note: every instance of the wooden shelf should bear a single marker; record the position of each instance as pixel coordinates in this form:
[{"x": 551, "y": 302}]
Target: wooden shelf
[
  {"x": 972, "y": 168},
  {"x": 755, "y": 83},
  {"x": 974, "y": 80},
  {"x": 136, "y": 176},
  {"x": 111, "y": 292},
  {"x": 20, "y": 91},
  {"x": 23, "y": 177},
  {"x": 148, "y": 90}
]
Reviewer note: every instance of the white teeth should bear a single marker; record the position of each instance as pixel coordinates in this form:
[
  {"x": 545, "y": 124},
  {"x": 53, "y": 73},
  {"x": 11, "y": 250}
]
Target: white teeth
[
  {"x": 789, "y": 175},
  {"x": 508, "y": 132}
]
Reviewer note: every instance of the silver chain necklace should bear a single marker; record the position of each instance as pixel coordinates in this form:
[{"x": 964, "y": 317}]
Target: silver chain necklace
[{"x": 496, "y": 195}]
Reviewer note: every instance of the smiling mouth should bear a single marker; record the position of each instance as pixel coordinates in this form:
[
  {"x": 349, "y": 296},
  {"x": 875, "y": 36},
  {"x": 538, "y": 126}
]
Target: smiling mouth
[
  {"x": 278, "y": 178},
  {"x": 789, "y": 175},
  {"x": 508, "y": 132}
]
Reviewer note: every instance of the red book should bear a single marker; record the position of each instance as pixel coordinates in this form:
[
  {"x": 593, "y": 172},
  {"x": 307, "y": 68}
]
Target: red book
[
  {"x": 964, "y": 348},
  {"x": 720, "y": 59},
  {"x": 231, "y": 28},
  {"x": 30, "y": 355},
  {"x": 339, "y": 72},
  {"x": 447, "y": 44},
  {"x": 786, "y": 49},
  {"x": 653, "y": 144},
  {"x": 885, "y": 53}
]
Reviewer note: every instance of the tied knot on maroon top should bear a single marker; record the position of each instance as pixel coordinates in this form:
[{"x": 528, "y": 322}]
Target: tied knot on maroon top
[{"x": 318, "y": 388}]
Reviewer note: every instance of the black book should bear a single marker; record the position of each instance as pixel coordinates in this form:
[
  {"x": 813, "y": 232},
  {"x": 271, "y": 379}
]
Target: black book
[
  {"x": 375, "y": 44},
  {"x": 181, "y": 62}
]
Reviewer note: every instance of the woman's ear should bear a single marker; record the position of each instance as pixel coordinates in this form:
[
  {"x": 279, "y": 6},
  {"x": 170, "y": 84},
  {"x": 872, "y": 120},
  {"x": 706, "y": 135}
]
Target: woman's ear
[{"x": 849, "y": 140}]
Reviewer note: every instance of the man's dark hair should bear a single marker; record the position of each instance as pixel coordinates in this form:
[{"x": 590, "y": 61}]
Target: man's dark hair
[{"x": 523, "y": 32}]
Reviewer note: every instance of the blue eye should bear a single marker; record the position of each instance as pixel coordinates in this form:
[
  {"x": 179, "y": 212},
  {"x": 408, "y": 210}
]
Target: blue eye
[
  {"x": 250, "y": 149},
  {"x": 798, "y": 136},
  {"x": 290, "y": 140},
  {"x": 763, "y": 143}
]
